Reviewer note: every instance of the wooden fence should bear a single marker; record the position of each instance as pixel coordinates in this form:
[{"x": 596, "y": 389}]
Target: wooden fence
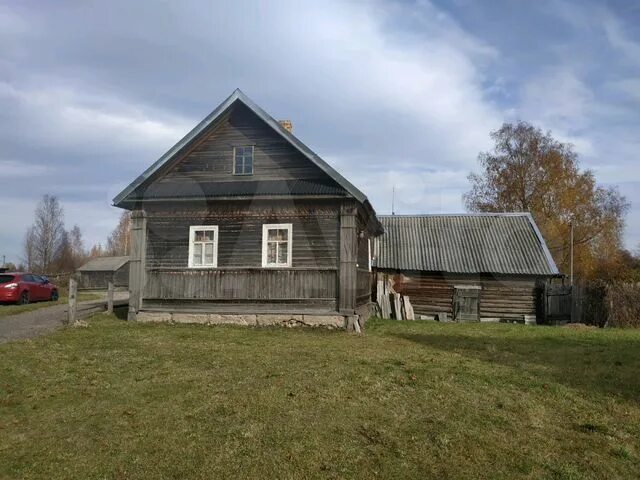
[{"x": 593, "y": 303}]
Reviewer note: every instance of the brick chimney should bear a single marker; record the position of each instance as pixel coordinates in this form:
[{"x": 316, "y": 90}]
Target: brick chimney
[{"x": 286, "y": 124}]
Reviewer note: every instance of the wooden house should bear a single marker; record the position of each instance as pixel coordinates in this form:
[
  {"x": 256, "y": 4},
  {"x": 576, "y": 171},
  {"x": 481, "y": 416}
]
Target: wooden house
[
  {"x": 241, "y": 222},
  {"x": 98, "y": 272},
  {"x": 468, "y": 267}
]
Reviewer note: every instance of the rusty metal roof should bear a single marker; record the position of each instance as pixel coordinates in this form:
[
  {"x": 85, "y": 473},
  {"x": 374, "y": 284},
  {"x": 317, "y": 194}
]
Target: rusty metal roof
[{"x": 504, "y": 243}]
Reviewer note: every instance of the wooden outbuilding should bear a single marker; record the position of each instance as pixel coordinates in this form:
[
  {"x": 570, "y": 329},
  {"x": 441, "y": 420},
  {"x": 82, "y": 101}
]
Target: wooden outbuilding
[
  {"x": 98, "y": 272},
  {"x": 241, "y": 222},
  {"x": 466, "y": 267}
]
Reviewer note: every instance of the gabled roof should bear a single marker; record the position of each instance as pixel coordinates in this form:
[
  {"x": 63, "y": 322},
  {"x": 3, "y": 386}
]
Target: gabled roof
[
  {"x": 104, "y": 264},
  {"x": 495, "y": 243},
  {"x": 239, "y": 96}
]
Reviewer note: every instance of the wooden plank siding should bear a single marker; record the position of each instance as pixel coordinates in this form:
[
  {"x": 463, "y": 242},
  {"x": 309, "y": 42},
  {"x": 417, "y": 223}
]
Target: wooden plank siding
[
  {"x": 211, "y": 160},
  {"x": 315, "y": 233},
  {"x": 507, "y": 298},
  {"x": 363, "y": 286},
  {"x": 242, "y": 284},
  {"x": 311, "y": 282}
]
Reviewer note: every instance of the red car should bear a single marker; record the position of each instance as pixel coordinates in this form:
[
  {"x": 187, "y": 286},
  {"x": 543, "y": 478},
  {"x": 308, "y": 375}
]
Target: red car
[{"x": 23, "y": 288}]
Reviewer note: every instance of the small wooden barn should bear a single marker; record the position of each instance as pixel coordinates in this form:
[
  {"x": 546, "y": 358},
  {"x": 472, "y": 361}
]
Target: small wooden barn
[
  {"x": 98, "y": 272},
  {"x": 467, "y": 267},
  {"x": 240, "y": 222}
]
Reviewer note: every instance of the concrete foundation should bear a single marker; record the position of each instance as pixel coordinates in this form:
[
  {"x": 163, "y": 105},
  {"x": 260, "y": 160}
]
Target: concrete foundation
[
  {"x": 259, "y": 319},
  {"x": 362, "y": 314}
]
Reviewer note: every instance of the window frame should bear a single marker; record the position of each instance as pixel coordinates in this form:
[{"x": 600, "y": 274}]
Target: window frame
[
  {"x": 192, "y": 232},
  {"x": 253, "y": 158},
  {"x": 265, "y": 242}
]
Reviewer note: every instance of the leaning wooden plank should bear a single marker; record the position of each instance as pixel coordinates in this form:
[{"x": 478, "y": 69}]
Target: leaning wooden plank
[
  {"x": 408, "y": 308},
  {"x": 397, "y": 306}
]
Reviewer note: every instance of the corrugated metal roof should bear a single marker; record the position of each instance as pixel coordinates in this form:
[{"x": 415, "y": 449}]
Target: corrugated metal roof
[
  {"x": 505, "y": 243},
  {"x": 239, "y": 188},
  {"x": 103, "y": 264}
]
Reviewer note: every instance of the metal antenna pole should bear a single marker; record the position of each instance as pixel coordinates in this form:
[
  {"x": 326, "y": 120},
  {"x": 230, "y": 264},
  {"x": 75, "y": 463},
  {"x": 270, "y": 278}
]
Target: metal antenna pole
[
  {"x": 571, "y": 251},
  {"x": 393, "y": 200}
]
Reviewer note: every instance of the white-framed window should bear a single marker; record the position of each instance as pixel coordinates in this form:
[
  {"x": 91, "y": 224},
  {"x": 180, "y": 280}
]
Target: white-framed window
[
  {"x": 203, "y": 246},
  {"x": 277, "y": 244},
  {"x": 243, "y": 160}
]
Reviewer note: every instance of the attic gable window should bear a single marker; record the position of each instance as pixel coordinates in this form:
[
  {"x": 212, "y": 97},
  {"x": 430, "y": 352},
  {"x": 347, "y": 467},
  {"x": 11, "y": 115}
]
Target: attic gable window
[{"x": 243, "y": 160}]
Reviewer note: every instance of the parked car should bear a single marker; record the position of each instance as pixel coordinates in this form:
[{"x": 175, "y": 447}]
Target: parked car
[{"x": 23, "y": 288}]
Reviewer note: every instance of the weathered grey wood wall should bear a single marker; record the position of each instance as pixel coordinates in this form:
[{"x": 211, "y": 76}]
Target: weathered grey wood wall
[
  {"x": 137, "y": 259},
  {"x": 212, "y": 159},
  {"x": 315, "y": 232},
  {"x": 240, "y": 278},
  {"x": 348, "y": 259},
  {"x": 506, "y": 298},
  {"x": 363, "y": 286},
  {"x": 100, "y": 280},
  {"x": 241, "y": 284}
]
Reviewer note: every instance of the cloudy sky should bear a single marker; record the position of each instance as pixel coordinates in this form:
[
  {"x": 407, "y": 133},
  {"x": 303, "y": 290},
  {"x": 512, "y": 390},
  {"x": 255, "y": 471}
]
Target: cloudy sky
[{"x": 390, "y": 93}]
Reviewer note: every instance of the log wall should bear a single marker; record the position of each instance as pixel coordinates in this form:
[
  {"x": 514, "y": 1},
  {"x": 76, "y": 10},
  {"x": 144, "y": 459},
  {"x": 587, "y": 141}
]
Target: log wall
[
  {"x": 507, "y": 298},
  {"x": 315, "y": 233}
]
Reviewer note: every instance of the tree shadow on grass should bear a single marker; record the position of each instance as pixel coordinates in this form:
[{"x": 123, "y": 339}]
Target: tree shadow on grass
[{"x": 608, "y": 365}]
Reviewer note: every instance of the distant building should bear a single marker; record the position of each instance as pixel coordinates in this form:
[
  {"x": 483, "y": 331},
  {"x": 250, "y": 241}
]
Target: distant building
[{"x": 98, "y": 272}]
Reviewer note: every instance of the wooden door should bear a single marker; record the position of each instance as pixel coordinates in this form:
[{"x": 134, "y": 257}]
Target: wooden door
[{"x": 466, "y": 304}]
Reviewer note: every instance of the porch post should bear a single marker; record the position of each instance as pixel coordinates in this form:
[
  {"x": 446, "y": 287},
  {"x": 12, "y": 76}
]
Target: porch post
[
  {"x": 348, "y": 259},
  {"x": 137, "y": 262}
]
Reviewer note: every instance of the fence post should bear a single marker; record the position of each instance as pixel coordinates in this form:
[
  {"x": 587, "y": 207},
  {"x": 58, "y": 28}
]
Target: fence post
[
  {"x": 73, "y": 294},
  {"x": 110, "y": 297}
]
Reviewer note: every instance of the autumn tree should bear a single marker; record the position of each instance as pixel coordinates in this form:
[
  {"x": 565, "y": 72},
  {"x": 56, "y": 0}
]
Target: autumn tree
[
  {"x": 118, "y": 241},
  {"x": 530, "y": 171},
  {"x": 44, "y": 239},
  {"x": 96, "y": 251}
]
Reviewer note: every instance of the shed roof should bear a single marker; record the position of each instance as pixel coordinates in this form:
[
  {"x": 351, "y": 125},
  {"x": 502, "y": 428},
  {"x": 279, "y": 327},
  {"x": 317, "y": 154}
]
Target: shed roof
[
  {"x": 498, "y": 243},
  {"x": 104, "y": 264}
]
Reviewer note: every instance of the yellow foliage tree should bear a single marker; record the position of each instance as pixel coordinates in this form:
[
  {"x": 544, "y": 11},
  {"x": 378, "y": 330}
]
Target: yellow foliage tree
[{"x": 530, "y": 171}]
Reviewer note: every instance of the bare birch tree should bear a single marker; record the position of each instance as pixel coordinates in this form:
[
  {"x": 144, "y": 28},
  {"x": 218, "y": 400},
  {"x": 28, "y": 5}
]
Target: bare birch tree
[{"x": 45, "y": 237}]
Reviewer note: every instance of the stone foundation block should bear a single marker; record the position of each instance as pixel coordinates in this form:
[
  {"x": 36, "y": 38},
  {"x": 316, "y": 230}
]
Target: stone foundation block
[
  {"x": 202, "y": 318},
  {"x": 286, "y": 320},
  {"x": 336, "y": 321},
  {"x": 153, "y": 317},
  {"x": 222, "y": 319}
]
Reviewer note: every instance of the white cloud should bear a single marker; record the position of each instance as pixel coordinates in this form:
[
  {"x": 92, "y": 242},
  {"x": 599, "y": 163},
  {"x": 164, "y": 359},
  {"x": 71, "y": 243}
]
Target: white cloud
[{"x": 64, "y": 117}]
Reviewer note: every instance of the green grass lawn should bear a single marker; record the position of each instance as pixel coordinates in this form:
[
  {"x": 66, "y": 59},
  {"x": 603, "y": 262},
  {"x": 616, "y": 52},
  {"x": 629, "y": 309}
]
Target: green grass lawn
[
  {"x": 6, "y": 310},
  {"x": 404, "y": 400}
]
